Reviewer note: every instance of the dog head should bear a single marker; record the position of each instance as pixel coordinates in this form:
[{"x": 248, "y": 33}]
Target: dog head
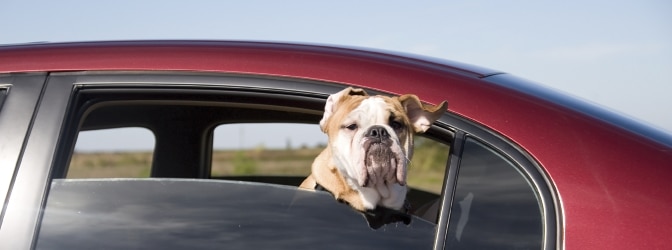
[{"x": 371, "y": 137}]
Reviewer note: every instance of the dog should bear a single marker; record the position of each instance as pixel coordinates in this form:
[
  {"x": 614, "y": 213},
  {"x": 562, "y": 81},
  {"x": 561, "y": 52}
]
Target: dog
[{"x": 370, "y": 146}]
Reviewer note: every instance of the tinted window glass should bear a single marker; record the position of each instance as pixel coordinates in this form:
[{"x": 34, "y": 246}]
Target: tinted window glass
[
  {"x": 207, "y": 214},
  {"x": 495, "y": 207}
]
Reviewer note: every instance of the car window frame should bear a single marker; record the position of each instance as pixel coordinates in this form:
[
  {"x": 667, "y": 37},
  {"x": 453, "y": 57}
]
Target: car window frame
[
  {"x": 3, "y": 94},
  {"x": 21, "y": 98},
  {"x": 29, "y": 184}
]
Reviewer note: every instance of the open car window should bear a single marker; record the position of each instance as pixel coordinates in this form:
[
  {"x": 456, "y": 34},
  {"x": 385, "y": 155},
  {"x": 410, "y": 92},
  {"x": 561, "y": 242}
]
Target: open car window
[
  {"x": 112, "y": 153},
  {"x": 265, "y": 149},
  {"x": 243, "y": 151},
  {"x": 194, "y": 181}
]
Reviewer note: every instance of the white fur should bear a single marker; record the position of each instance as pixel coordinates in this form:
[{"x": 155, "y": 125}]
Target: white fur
[{"x": 349, "y": 155}]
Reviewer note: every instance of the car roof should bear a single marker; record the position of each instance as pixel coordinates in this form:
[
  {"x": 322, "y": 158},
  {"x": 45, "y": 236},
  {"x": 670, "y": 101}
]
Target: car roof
[
  {"x": 391, "y": 72},
  {"x": 194, "y": 55}
]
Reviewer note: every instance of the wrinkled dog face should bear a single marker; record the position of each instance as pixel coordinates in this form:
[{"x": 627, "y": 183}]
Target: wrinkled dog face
[{"x": 373, "y": 142}]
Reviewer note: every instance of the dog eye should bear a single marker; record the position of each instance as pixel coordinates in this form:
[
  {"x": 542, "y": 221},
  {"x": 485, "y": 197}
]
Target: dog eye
[
  {"x": 396, "y": 125},
  {"x": 351, "y": 126}
]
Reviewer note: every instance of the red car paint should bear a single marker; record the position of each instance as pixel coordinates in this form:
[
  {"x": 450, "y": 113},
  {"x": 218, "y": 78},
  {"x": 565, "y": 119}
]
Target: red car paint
[{"x": 613, "y": 184}]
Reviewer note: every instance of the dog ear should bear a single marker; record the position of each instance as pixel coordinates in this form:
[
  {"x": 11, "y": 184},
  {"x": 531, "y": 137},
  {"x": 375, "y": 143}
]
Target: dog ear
[
  {"x": 421, "y": 116},
  {"x": 333, "y": 102}
]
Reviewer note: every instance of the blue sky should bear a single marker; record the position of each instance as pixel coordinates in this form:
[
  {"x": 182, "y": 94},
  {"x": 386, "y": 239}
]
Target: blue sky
[{"x": 613, "y": 53}]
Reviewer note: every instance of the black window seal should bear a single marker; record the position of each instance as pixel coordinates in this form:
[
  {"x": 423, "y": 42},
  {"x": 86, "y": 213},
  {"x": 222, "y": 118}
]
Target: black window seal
[
  {"x": 3, "y": 93},
  {"x": 449, "y": 186}
]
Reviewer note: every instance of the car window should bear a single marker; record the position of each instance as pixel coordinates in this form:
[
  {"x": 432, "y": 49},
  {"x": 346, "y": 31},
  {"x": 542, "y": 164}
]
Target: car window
[
  {"x": 112, "y": 153},
  {"x": 428, "y": 164},
  {"x": 282, "y": 153},
  {"x": 495, "y": 207},
  {"x": 265, "y": 149},
  {"x": 183, "y": 127}
]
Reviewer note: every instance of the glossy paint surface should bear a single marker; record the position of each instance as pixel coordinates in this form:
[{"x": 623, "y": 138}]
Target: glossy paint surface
[{"x": 613, "y": 183}]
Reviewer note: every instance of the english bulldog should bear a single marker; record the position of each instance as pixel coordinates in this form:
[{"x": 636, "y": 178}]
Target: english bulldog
[{"x": 370, "y": 146}]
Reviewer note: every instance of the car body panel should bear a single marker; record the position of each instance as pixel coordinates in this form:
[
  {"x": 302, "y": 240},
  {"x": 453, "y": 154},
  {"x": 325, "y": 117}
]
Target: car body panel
[
  {"x": 215, "y": 56},
  {"x": 611, "y": 182},
  {"x": 607, "y": 168}
]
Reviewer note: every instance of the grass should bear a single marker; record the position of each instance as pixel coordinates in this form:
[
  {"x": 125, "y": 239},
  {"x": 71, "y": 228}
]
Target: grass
[
  {"x": 425, "y": 171},
  {"x": 103, "y": 165}
]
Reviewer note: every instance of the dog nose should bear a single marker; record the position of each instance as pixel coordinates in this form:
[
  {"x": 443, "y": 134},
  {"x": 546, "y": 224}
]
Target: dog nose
[{"x": 377, "y": 132}]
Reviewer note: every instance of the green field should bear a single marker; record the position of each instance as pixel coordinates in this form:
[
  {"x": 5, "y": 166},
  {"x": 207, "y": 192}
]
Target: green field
[{"x": 425, "y": 172}]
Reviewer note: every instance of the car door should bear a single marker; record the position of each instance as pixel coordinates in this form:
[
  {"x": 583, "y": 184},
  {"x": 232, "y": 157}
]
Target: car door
[{"x": 458, "y": 211}]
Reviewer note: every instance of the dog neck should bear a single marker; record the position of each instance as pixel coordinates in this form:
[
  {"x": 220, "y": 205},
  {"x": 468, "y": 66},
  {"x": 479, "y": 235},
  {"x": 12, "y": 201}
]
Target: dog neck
[{"x": 380, "y": 216}]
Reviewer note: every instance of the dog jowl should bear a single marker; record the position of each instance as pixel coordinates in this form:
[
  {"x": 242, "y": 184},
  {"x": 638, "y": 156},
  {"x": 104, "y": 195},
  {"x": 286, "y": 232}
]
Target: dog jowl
[{"x": 370, "y": 146}]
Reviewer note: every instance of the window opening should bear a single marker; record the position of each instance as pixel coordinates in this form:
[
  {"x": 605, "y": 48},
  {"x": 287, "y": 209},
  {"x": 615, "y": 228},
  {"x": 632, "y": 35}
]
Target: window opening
[
  {"x": 267, "y": 149},
  {"x": 428, "y": 165},
  {"x": 112, "y": 153}
]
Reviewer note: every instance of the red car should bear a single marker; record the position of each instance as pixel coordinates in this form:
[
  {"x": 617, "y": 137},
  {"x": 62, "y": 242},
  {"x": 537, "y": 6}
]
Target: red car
[{"x": 525, "y": 167}]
